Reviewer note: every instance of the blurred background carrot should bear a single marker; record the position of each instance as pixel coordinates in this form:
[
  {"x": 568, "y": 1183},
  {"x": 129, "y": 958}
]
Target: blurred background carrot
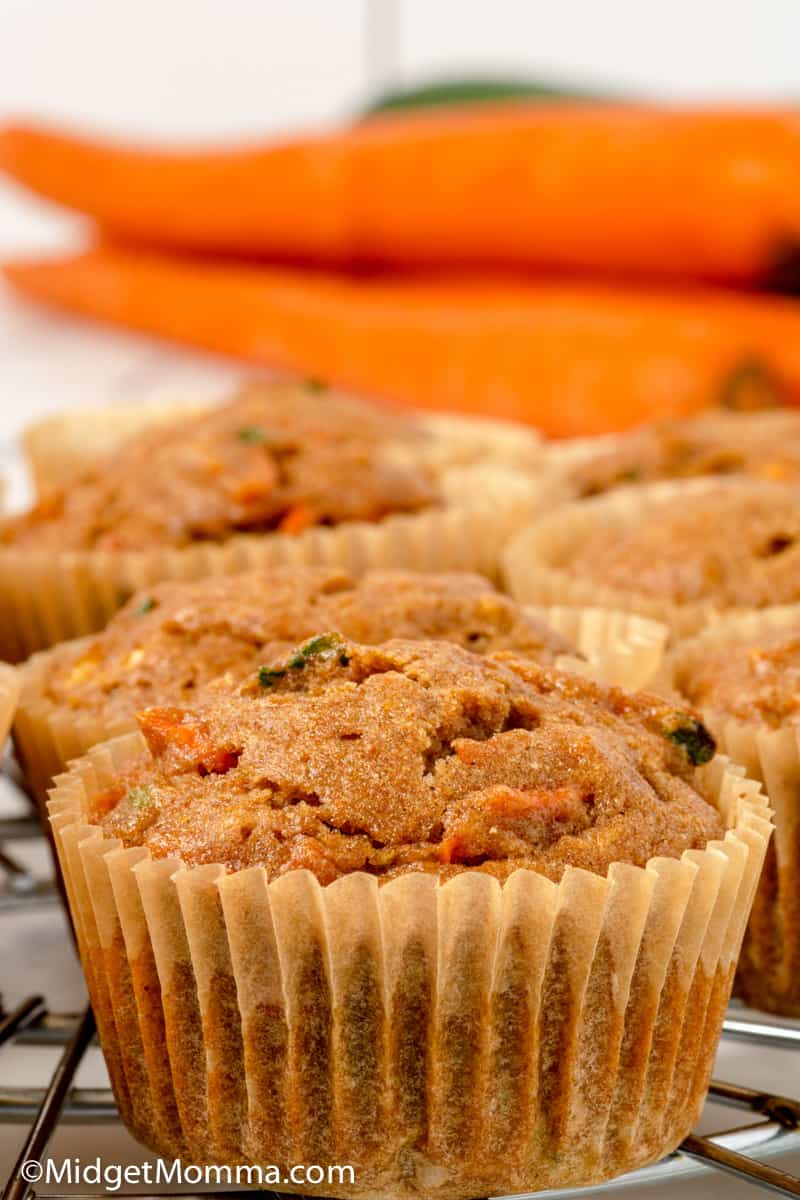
[
  {"x": 580, "y": 247},
  {"x": 571, "y": 358},
  {"x": 639, "y": 190}
]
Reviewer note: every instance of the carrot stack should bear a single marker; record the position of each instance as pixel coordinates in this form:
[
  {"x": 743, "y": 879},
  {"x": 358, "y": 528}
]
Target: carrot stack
[
  {"x": 649, "y": 194},
  {"x": 570, "y": 358}
]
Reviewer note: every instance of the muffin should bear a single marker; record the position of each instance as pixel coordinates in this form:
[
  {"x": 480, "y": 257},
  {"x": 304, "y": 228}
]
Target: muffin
[
  {"x": 173, "y": 641},
  {"x": 678, "y": 552},
  {"x": 744, "y": 673},
  {"x": 758, "y": 445},
  {"x": 466, "y": 923},
  {"x": 280, "y": 474},
  {"x": 61, "y": 447}
]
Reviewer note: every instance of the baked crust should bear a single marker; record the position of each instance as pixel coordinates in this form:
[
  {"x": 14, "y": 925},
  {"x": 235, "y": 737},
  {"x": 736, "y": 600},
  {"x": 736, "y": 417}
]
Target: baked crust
[
  {"x": 759, "y": 445},
  {"x": 680, "y": 552},
  {"x": 415, "y": 756}
]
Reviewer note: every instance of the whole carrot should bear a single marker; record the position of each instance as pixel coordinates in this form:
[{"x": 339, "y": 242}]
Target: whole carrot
[
  {"x": 671, "y": 193},
  {"x": 569, "y": 358}
]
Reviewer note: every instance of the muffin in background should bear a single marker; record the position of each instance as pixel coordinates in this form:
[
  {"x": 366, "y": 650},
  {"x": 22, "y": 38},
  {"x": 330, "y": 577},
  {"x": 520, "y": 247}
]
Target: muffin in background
[
  {"x": 743, "y": 673},
  {"x": 172, "y": 641},
  {"x": 63, "y": 446},
  {"x": 763, "y": 444},
  {"x": 680, "y": 552},
  {"x": 281, "y": 474},
  {"x": 351, "y": 965}
]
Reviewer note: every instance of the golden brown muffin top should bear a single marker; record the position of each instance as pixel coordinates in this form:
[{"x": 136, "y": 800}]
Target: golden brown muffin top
[
  {"x": 760, "y": 445},
  {"x": 756, "y": 681},
  {"x": 734, "y": 545},
  {"x": 170, "y": 642},
  {"x": 415, "y": 756},
  {"x": 277, "y": 457}
]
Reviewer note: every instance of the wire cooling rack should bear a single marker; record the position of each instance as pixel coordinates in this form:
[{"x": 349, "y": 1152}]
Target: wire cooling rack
[{"x": 739, "y": 1151}]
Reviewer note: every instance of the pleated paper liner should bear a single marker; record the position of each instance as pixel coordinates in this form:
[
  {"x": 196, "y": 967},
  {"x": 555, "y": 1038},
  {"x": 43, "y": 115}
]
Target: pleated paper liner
[
  {"x": 10, "y": 688},
  {"x": 62, "y": 446},
  {"x": 453, "y": 1041},
  {"x": 536, "y": 562},
  {"x": 47, "y": 598},
  {"x": 769, "y": 967},
  {"x": 617, "y": 648}
]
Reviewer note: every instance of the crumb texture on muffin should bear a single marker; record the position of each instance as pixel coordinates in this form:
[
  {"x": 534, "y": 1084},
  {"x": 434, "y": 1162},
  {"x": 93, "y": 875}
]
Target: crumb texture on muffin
[
  {"x": 759, "y": 445},
  {"x": 415, "y": 756},
  {"x": 756, "y": 680},
  {"x": 277, "y": 457},
  {"x": 171, "y": 641},
  {"x": 735, "y": 545}
]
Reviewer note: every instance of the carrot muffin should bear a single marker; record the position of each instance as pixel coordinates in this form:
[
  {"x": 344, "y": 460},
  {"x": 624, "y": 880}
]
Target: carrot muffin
[
  {"x": 744, "y": 673},
  {"x": 280, "y": 474},
  {"x": 755, "y": 681},
  {"x": 255, "y": 465},
  {"x": 167, "y": 644},
  {"x": 400, "y": 908},
  {"x": 680, "y": 552},
  {"x": 760, "y": 445},
  {"x": 415, "y": 756},
  {"x": 65, "y": 445}
]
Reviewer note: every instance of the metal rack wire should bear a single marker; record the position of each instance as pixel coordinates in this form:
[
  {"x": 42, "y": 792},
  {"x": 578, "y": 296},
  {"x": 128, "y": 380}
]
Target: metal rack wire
[{"x": 60, "y": 1102}]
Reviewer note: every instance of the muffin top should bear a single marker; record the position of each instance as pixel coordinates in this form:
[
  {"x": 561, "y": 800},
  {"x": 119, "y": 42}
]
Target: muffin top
[
  {"x": 167, "y": 644},
  {"x": 760, "y": 445},
  {"x": 415, "y": 756},
  {"x": 755, "y": 680},
  {"x": 277, "y": 457},
  {"x": 734, "y": 545}
]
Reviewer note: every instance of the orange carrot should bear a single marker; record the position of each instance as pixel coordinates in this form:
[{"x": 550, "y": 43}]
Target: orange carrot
[
  {"x": 678, "y": 193},
  {"x": 569, "y": 358}
]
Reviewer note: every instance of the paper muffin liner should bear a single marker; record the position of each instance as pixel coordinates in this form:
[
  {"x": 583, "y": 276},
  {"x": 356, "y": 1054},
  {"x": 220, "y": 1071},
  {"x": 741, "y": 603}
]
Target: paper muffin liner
[
  {"x": 60, "y": 447},
  {"x": 769, "y": 968},
  {"x": 10, "y": 688},
  {"x": 617, "y": 648},
  {"x": 47, "y": 598},
  {"x": 536, "y": 561},
  {"x": 453, "y": 1040}
]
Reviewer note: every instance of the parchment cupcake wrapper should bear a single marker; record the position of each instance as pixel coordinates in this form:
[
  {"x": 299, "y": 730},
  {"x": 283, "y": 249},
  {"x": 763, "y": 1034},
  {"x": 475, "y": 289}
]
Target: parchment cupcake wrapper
[
  {"x": 62, "y": 446},
  {"x": 456, "y": 1040},
  {"x": 619, "y": 649},
  {"x": 49, "y": 598},
  {"x": 536, "y": 561},
  {"x": 769, "y": 968}
]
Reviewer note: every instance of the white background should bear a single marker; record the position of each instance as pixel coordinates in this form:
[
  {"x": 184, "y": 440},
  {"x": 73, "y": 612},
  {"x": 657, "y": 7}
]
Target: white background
[{"x": 208, "y": 69}]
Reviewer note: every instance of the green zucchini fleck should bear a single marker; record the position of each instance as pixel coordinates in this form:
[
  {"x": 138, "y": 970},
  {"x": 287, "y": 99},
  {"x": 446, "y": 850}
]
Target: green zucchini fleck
[
  {"x": 324, "y": 646},
  {"x": 269, "y": 676},
  {"x": 253, "y": 435},
  {"x": 147, "y": 605},
  {"x": 692, "y": 737}
]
